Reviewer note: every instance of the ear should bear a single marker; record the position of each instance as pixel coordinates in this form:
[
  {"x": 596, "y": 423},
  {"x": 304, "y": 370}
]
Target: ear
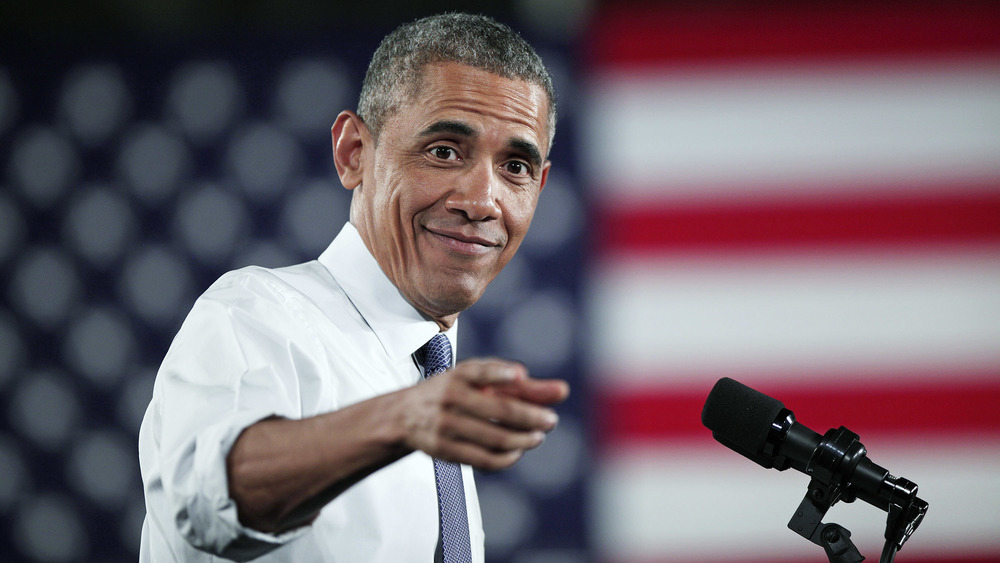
[
  {"x": 545, "y": 175},
  {"x": 350, "y": 139}
]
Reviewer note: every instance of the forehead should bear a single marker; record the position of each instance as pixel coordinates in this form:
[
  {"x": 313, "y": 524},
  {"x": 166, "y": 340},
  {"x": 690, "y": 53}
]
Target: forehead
[{"x": 454, "y": 90}]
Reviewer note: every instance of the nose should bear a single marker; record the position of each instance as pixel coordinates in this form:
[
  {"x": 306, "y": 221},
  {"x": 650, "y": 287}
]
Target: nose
[{"x": 475, "y": 194}]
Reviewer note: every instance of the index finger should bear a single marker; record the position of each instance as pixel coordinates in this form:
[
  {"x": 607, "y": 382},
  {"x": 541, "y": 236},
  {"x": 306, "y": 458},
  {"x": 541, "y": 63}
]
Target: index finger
[
  {"x": 538, "y": 391},
  {"x": 483, "y": 372}
]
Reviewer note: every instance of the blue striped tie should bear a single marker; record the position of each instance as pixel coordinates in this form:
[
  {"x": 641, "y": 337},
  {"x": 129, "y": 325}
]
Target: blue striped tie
[{"x": 456, "y": 546}]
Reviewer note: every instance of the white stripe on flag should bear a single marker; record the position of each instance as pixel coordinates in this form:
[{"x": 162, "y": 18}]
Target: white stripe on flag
[
  {"x": 786, "y": 314},
  {"x": 768, "y": 129}
]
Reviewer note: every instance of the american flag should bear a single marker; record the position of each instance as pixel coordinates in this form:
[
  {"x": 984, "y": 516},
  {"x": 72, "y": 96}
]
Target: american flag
[{"x": 804, "y": 197}]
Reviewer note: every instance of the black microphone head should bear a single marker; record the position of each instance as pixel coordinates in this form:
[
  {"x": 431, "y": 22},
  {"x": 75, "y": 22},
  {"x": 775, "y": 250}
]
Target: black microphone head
[{"x": 740, "y": 418}]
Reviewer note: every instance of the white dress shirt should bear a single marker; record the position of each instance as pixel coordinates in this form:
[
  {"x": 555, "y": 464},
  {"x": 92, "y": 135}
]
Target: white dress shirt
[{"x": 291, "y": 342}]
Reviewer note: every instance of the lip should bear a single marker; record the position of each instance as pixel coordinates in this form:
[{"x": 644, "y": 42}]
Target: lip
[{"x": 463, "y": 243}]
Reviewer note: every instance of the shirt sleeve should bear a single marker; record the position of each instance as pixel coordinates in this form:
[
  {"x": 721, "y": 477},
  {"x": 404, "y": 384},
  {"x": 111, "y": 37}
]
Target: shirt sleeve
[{"x": 234, "y": 362}]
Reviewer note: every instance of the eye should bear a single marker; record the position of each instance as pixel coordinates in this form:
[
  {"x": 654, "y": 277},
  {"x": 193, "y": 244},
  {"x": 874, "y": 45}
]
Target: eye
[
  {"x": 517, "y": 168},
  {"x": 444, "y": 153}
]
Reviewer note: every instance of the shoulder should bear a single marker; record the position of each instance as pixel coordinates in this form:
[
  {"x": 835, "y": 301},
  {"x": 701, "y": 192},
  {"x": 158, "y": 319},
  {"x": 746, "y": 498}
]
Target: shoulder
[
  {"x": 249, "y": 317},
  {"x": 301, "y": 294},
  {"x": 249, "y": 281},
  {"x": 251, "y": 300},
  {"x": 253, "y": 284}
]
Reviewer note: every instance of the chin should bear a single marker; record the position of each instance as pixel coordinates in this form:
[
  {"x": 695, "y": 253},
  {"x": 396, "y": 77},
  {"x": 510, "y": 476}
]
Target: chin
[
  {"x": 455, "y": 303},
  {"x": 446, "y": 301}
]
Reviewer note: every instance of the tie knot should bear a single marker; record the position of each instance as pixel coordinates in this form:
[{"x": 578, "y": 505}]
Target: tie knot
[{"x": 435, "y": 355}]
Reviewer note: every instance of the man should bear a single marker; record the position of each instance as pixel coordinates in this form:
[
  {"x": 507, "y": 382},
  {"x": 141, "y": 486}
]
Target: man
[{"x": 290, "y": 419}]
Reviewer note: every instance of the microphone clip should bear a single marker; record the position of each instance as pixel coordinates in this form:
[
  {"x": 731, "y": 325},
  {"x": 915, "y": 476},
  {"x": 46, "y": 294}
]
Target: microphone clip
[
  {"x": 807, "y": 522},
  {"x": 906, "y": 511}
]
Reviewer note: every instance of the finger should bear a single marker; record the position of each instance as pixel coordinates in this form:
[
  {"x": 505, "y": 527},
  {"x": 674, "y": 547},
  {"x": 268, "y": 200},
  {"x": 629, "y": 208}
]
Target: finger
[
  {"x": 459, "y": 451},
  {"x": 490, "y": 371},
  {"x": 488, "y": 434},
  {"x": 502, "y": 409},
  {"x": 538, "y": 391},
  {"x": 512, "y": 378}
]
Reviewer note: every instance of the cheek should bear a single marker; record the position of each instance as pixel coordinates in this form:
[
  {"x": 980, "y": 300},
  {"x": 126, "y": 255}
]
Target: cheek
[
  {"x": 411, "y": 194},
  {"x": 519, "y": 214},
  {"x": 392, "y": 201}
]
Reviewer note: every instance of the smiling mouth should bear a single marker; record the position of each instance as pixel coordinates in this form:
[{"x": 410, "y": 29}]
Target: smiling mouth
[{"x": 462, "y": 243}]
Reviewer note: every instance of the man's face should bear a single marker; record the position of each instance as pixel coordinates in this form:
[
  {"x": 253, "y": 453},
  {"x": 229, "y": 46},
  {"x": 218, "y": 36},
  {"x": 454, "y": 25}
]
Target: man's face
[{"x": 448, "y": 193}]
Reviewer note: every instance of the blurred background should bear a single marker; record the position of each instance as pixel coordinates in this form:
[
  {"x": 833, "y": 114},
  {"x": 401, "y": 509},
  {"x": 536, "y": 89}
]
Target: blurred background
[{"x": 802, "y": 196}]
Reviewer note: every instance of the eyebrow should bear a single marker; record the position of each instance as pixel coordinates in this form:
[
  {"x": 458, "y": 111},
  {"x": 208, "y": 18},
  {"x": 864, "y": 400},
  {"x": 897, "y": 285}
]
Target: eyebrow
[
  {"x": 529, "y": 149},
  {"x": 446, "y": 126}
]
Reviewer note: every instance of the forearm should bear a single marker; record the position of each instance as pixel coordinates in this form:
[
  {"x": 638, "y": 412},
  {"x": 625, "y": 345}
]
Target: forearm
[
  {"x": 282, "y": 472},
  {"x": 483, "y": 413}
]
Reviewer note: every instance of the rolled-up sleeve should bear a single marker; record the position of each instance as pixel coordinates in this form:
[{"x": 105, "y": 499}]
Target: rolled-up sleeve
[{"x": 232, "y": 364}]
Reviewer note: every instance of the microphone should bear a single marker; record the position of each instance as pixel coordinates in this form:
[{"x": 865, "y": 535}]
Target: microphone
[{"x": 762, "y": 429}]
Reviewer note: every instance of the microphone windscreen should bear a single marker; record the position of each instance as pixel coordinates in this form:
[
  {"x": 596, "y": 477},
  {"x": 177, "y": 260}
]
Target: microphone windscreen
[{"x": 740, "y": 418}]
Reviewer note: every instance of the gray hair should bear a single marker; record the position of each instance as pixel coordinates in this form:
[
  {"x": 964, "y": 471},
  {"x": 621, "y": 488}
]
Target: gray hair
[{"x": 396, "y": 68}]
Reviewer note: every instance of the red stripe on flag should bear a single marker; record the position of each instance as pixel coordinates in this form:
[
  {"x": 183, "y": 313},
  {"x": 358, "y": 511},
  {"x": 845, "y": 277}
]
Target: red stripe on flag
[
  {"x": 954, "y": 405},
  {"x": 628, "y": 34},
  {"x": 658, "y": 227}
]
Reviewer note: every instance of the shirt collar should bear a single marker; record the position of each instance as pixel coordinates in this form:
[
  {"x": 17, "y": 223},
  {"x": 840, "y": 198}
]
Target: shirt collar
[{"x": 398, "y": 325}]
